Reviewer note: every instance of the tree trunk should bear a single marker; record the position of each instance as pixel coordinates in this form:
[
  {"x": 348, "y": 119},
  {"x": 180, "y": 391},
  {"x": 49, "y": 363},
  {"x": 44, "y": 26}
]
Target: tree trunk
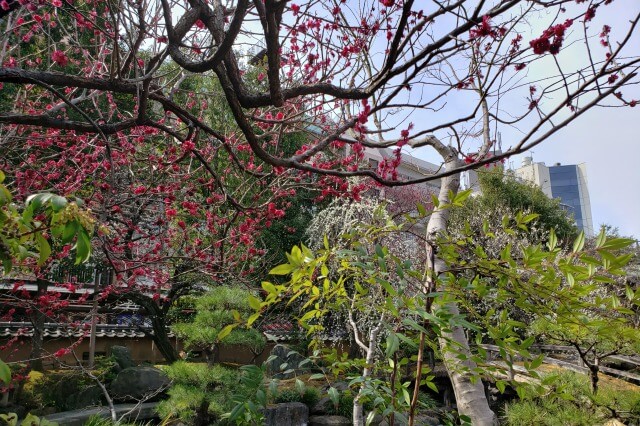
[
  {"x": 159, "y": 325},
  {"x": 358, "y": 409},
  {"x": 161, "y": 336},
  {"x": 470, "y": 395},
  {"x": 593, "y": 373}
]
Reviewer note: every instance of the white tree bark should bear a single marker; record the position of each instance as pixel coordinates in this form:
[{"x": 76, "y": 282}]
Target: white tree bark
[
  {"x": 470, "y": 396},
  {"x": 370, "y": 350}
]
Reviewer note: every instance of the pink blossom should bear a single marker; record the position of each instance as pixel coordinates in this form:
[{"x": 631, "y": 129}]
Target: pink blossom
[{"x": 60, "y": 58}]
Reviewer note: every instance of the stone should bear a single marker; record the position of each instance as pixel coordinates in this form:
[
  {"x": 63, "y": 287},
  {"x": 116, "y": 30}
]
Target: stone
[
  {"x": 285, "y": 363},
  {"x": 340, "y": 386},
  {"x": 329, "y": 420},
  {"x": 286, "y": 414},
  {"x": 122, "y": 356},
  {"x": 137, "y": 383},
  {"x": 146, "y": 411}
]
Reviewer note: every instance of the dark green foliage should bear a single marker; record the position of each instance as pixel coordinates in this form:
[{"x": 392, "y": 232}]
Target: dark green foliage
[
  {"x": 66, "y": 391},
  {"x": 345, "y": 405},
  {"x": 309, "y": 397},
  {"x": 196, "y": 386},
  {"x": 504, "y": 190},
  {"x": 213, "y": 312}
]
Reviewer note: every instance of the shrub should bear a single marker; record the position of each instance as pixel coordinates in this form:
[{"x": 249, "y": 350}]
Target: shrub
[
  {"x": 196, "y": 385},
  {"x": 309, "y": 397},
  {"x": 571, "y": 403}
]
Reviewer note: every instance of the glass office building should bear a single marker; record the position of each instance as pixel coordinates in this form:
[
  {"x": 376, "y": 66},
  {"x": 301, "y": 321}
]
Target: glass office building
[{"x": 566, "y": 182}]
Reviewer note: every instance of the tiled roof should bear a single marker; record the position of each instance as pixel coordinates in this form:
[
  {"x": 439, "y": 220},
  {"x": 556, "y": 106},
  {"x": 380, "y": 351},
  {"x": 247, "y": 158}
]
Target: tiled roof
[{"x": 53, "y": 330}]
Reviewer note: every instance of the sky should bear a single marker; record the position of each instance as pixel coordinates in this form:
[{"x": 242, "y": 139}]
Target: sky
[{"x": 607, "y": 140}]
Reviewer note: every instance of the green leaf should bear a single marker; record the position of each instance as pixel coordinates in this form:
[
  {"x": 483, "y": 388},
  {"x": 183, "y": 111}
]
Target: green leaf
[
  {"x": 252, "y": 319},
  {"x": 528, "y": 218},
  {"x": 269, "y": 288},
  {"x": 617, "y": 243},
  {"x": 226, "y": 331},
  {"x": 460, "y": 197},
  {"x": 578, "y": 244},
  {"x": 44, "y": 249},
  {"x": 553, "y": 240},
  {"x": 58, "y": 203},
  {"x": 10, "y": 419},
  {"x": 334, "y": 396},
  {"x": 69, "y": 231},
  {"x": 602, "y": 237},
  {"x": 5, "y": 195},
  {"x": 5, "y": 373},
  {"x": 38, "y": 200},
  {"x": 500, "y": 385},
  {"x": 421, "y": 209},
  {"x": 83, "y": 247},
  {"x": 283, "y": 269},
  {"x": 236, "y": 315},
  {"x": 629, "y": 293},
  {"x": 536, "y": 362},
  {"x": 254, "y": 303},
  {"x": 1, "y": 176},
  {"x": 393, "y": 343}
]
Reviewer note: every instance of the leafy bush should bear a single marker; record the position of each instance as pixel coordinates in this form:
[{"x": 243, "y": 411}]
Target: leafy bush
[
  {"x": 309, "y": 397},
  {"x": 345, "y": 405},
  {"x": 62, "y": 390},
  {"x": 570, "y": 402}
]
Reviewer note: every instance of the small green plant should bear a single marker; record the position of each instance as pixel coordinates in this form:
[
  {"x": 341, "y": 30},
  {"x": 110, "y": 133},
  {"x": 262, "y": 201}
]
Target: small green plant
[
  {"x": 309, "y": 397},
  {"x": 200, "y": 393},
  {"x": 251, "y": 398}
]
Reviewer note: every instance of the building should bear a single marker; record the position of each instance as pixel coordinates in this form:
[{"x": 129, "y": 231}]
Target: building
[
  {"x": 566, "y": 182},
  {"x": 410, "y": 167}
]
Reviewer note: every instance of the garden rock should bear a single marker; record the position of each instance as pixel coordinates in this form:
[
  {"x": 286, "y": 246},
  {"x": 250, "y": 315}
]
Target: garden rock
[
  {"x": 329, "y": 420},
  {"x": 136, "y": 383},
  {"x": 339, "y": 386},
  {"x": 284, "y": 355},
  {"x": 122, "y": 356},
  {"x": 286, "y": 414}
]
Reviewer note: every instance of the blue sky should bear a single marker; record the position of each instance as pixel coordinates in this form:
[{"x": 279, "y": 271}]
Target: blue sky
[{"x": 606, "y": 139}]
